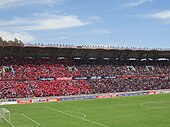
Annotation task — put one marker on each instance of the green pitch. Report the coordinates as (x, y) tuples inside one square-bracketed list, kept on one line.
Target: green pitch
[(139, 111)]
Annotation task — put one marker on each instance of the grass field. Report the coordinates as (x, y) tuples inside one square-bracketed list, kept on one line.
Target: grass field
[(139, 111)]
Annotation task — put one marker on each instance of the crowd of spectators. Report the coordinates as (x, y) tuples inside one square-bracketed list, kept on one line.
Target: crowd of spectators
[(33, 68), (112, 70), (127, 85), (29, 89), (22, 78), (155, 77), (28, 77)]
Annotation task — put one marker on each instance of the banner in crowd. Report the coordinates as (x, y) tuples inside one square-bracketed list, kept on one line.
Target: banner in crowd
[(46, 78), (53, 78), (93, 77), (140, 76), (64, 78)]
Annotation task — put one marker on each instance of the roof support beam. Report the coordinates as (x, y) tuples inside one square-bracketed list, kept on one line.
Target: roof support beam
[(120, 53), (87, 53), (114, 54), (38, 54), (156, 55), (149, 53), (1, 51), (20, 53), (101, 53), (141, 54), (10, 51), (56, 53), (74, 51), (128, 54)]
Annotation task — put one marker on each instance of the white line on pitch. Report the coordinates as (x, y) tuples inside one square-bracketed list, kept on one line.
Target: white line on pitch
[(30, 118), (84, 115), (153, 102), (77, 117)]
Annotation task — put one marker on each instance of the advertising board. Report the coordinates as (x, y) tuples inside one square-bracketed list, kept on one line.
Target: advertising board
[(52, 99), (24, 101)]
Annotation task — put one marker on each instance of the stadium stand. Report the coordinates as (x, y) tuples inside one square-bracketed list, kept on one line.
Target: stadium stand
[(27, 72)]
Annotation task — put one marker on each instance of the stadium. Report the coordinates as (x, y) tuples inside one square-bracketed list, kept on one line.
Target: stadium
[(84, 63), (66, 85)]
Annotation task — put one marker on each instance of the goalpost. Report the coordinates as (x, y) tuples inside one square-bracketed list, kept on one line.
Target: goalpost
[(5, 114)]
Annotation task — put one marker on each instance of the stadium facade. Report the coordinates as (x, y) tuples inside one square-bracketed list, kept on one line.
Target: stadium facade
[(84, 52)]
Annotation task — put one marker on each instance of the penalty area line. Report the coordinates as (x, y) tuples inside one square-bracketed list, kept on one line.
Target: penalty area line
[(90, 121), (30, 119)]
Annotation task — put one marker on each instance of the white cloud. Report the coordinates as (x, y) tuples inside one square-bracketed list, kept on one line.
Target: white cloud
[(160, 15), (163, 16), (20, 27), (48, 22), (136, 3), (58, 22), (9, 3), (95, 18), (25, 37), (14, 3)]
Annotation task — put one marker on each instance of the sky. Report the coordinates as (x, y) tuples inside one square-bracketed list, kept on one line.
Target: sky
[(123, 23)]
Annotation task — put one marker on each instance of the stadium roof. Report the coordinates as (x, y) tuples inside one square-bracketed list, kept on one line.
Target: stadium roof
[(85, 52)]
